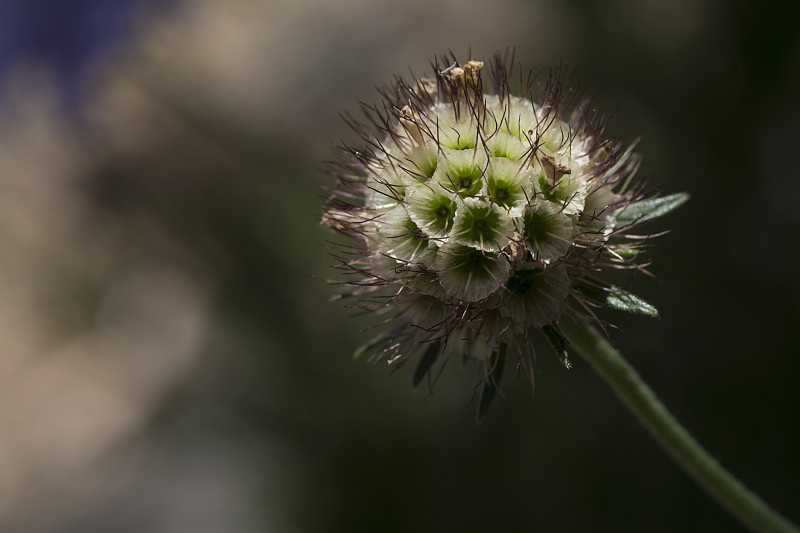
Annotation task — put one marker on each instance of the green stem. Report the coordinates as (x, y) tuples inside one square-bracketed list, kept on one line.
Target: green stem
[(720, 484)]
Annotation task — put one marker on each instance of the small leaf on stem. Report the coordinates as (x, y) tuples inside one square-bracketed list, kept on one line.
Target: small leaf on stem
[(627, 301), (492, 382), (559, 344), (429, 357), (649, 209)]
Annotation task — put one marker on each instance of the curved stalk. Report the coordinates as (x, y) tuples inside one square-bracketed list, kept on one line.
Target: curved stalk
[(628, 385)]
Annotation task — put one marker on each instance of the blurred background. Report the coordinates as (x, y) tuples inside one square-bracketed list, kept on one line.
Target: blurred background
[(168, 358)]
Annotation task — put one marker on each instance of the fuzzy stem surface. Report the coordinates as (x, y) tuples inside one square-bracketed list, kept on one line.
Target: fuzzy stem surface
[(746, 506)]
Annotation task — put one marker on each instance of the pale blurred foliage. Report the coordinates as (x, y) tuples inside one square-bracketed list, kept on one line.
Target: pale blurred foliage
[(69, 396)]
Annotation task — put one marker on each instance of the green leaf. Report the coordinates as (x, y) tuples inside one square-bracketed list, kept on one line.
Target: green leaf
[(649, 209), (432, 353), (492, 382), (371, 344), (559, 344), (626, 301), (615, 297), (624, 253)]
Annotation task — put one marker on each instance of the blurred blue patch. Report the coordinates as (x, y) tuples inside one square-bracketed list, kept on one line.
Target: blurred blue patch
[(66, 37)]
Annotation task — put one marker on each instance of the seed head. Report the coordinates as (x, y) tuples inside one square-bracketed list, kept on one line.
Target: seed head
[(482, 214)]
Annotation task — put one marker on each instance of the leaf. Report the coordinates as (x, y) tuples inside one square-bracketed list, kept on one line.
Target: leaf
[(649, 209), (615, 297), (492, 382), (429, 357), (370, 345), (623, 253), (559, 344), (627, 301)]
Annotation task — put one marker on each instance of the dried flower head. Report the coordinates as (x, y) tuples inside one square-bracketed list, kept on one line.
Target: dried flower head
[(482, 214)]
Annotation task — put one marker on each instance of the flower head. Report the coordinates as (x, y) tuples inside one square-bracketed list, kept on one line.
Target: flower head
[(482, 214)]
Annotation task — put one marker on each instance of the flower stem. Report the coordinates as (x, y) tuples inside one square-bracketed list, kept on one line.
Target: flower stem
[(720, 484)]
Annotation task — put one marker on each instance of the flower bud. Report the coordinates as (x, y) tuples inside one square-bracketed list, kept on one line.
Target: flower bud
[(481, 216)]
